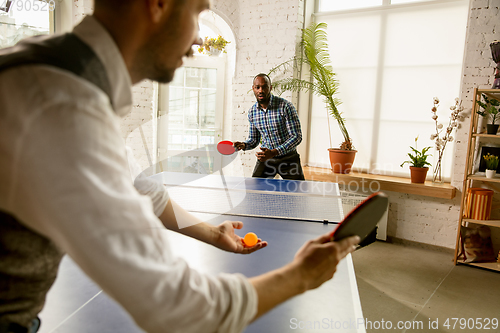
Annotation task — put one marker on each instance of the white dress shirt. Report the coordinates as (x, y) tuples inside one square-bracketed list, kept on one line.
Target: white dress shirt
[(64, 174)]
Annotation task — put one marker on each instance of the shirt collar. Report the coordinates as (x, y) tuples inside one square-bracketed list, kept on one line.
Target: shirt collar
[(258, 107), (97, 37)]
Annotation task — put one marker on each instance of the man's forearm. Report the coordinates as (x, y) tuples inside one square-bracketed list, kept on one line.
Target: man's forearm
[(290, 144), (251, 144), (173, 218), (253, 138), (276, 287)]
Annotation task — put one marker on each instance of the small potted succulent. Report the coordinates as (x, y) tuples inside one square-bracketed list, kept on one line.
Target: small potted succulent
[(419, 164), (490, 107), (213, 46), (491, 165)]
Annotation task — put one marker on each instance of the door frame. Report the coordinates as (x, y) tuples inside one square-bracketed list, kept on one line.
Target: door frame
[(163, 153)]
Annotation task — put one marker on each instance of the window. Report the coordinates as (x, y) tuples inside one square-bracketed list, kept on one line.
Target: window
[(338, 5), (191, 108), (188, 117), (24, 18), (333, 5), (390, 65)]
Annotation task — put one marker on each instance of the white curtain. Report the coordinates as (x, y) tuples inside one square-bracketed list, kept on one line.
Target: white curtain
[(390, 63)]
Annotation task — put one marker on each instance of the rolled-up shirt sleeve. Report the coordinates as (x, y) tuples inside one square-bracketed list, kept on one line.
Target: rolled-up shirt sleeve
[(294, 133), (71, 183), (156, 191), (253, 133)]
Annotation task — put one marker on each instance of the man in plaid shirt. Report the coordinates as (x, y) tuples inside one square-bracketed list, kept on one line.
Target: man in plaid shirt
[(274, 123)]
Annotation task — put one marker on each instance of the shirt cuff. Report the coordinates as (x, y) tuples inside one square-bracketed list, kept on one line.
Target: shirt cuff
[(245, 301), (281, 151)]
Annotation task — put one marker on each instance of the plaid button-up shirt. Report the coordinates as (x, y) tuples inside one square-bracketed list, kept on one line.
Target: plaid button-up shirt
[(278, 126)]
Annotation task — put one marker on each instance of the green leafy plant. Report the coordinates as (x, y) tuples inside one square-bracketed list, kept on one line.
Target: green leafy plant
[(490, 107), (491, 161), (209, 44), (419, 158), (322, 80)]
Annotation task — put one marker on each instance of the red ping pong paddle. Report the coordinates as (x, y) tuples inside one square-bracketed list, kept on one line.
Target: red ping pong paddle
[(363, 218), (226, 147)]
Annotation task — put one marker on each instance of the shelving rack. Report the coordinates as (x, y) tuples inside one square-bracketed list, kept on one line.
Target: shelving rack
[(469, 177)]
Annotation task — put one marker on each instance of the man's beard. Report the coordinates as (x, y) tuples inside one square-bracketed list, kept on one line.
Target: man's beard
[(161, 72)]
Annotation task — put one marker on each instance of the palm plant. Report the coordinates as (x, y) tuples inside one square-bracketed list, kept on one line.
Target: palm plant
[(322, 82)]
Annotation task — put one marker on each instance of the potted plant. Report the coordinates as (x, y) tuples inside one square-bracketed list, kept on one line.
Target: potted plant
[(418, 161), (491, 165), (322, 82), (213, 46), (490, 108)]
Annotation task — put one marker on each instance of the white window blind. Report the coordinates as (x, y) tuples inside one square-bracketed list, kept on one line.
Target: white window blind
[(332, 5), (390, 63)]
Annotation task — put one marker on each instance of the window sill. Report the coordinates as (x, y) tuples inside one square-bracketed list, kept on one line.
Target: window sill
[(370, 183)]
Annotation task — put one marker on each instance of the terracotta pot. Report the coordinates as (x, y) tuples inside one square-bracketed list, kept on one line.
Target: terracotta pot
[(418, 174), (341, 160)]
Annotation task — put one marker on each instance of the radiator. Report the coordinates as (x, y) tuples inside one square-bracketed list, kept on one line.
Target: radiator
[(351, 200)]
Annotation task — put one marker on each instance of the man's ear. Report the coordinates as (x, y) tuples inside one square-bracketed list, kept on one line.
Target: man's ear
[(158, 8)]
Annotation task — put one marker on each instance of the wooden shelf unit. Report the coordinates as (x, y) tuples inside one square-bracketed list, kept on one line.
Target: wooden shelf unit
[(494, 266), (483, 178), (490, 223), (470, 177)]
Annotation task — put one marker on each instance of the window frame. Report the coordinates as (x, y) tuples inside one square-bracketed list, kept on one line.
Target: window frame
[(383, 10), (163, 153)]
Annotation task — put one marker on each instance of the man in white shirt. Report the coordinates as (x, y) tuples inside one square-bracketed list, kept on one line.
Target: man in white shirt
[(66, 186)]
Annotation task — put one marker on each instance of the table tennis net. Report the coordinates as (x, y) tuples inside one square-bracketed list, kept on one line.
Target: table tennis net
[(257, 203)]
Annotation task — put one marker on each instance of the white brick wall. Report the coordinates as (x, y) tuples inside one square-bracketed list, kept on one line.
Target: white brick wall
[(483, 27), (81, 8), (423, 220), (266, 34)]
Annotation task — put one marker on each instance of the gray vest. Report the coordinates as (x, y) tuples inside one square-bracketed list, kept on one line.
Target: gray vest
[(28, 260)]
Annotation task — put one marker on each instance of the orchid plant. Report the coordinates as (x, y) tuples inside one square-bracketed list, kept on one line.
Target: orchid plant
[(442, 135)]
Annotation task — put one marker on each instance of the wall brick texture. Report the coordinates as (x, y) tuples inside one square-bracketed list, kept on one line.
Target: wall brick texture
[(266, 34), (483, 27)]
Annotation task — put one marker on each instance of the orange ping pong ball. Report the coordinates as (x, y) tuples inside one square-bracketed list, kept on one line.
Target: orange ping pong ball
[(250, 239)]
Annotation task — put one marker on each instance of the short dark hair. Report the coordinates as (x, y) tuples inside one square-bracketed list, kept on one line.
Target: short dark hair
[(264, 76)]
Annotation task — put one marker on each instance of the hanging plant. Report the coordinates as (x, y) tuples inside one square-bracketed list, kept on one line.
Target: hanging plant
[(211, 44)]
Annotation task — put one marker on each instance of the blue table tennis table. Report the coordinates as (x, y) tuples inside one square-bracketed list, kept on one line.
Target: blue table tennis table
[(76, 304)]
